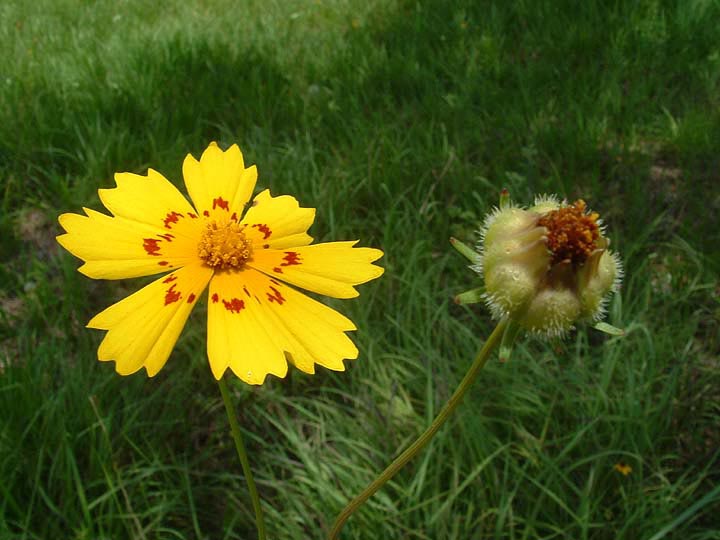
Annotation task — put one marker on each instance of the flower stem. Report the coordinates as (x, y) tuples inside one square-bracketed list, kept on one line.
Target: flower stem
[(472, 373), (237, 437)]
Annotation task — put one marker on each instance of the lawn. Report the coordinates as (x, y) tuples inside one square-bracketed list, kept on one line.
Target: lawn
[(400, 122)]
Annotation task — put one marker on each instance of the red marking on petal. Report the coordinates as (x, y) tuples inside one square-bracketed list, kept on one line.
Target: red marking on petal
[(171, 217), (235, 305), (278, 270), (151, 246), (169, 279), (263, 229), (215, 298), (206, 213), (167, 237), (163, 263), (265, 246), (172, 295), (191, 298), (191, 215), (291, 258), (246, 291), (274, 282), (276, 296), (222, 203), (234, 216)]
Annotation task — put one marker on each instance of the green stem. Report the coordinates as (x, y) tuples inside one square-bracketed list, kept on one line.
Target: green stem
[(237, 437), (480, 361)]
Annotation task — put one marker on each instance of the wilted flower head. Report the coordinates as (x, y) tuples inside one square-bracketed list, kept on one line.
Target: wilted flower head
[(545, 267)]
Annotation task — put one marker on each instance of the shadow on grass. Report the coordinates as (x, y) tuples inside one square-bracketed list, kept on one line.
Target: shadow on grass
[(176, 92)]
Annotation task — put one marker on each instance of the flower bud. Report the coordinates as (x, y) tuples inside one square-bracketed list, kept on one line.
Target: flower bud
[(548, 266)]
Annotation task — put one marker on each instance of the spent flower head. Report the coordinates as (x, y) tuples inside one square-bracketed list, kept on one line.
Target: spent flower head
[(249, 256), (545, 267)]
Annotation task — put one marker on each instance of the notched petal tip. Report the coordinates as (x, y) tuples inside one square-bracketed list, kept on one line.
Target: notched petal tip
[(151, 372), (63, 219), (340, 366), (213, 150), (342, 291), (259, 378), (188, 163), (120, 371), (217, 370), (373, 253), (87, 272)]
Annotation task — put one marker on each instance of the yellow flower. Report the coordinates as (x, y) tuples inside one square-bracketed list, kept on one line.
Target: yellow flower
[(545, 267), (249, 258), (623, 468)]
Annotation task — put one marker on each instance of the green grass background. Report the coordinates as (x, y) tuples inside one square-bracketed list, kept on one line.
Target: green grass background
[(400, 121)]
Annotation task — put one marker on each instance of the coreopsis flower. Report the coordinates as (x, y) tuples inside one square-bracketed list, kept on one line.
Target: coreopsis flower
[(545, 267), (249, 256)]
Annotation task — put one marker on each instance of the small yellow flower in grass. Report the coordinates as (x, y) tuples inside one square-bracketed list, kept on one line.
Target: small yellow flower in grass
[(250, 257), (623, 468), (545, 267)]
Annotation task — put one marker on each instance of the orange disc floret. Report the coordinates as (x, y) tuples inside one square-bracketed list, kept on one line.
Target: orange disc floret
[(224, 246), (572, 232)]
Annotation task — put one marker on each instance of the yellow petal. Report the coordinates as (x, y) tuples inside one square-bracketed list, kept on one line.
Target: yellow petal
[(253, 320), (238, 337), (277, 222), (150, 199), (117, 247), (219, 184), (331, 268), (143, 328), (313, 332)]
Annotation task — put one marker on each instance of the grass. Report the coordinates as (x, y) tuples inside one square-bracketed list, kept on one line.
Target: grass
[(400, 121)]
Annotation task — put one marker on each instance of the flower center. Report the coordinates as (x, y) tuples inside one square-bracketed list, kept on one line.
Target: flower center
[(224, 246), (572, 232)]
